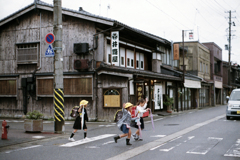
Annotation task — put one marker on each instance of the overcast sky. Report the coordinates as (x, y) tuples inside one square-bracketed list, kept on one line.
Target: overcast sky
[(165, 18)]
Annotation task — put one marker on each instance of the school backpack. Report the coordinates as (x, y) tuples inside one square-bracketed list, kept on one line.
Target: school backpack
[(74, 112), (118, 115)]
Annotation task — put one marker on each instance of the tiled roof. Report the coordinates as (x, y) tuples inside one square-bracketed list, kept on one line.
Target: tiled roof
[(83, 12)]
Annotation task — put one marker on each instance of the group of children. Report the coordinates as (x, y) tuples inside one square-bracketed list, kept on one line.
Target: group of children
[(123, 124)]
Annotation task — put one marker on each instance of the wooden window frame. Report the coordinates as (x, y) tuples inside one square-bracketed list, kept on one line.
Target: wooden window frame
[(65, 77), (11, 95), (28, 44)]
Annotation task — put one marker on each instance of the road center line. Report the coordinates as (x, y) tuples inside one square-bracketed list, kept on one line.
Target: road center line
[(139, 150)]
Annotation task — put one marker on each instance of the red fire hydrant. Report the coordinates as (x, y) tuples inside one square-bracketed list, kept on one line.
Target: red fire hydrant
[(4, 129)]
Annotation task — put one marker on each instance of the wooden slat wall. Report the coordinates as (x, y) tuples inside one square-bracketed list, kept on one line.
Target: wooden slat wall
[(78, 86), (110, 81), (45, 86)]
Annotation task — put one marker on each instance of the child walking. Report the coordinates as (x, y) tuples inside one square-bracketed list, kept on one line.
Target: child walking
[(141, 108), (124, 123), (78, 121)]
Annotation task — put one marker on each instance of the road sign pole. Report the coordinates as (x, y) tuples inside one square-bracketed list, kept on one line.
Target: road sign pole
[(58, 68)]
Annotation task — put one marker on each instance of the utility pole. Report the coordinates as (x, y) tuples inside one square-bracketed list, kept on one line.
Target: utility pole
[(229, 46), (183, 57), (229, 49), (58, 68)]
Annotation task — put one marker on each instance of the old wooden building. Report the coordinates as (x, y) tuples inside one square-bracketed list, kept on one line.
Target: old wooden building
[(104, 61)]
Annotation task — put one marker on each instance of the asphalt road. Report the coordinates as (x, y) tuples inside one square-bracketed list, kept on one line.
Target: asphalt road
[(197, 134)]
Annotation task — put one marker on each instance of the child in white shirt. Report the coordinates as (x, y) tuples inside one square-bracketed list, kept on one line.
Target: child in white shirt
[(141, 108)]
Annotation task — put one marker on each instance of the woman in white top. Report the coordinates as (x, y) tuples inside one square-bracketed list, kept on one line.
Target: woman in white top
[(141, 108)]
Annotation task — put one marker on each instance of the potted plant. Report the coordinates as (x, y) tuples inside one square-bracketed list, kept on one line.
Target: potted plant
[(168, 102), (34, 122)]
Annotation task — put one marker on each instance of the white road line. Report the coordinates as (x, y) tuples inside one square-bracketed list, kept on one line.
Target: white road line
[(83, 141), (108, 143), (189, 138), (167, 150), (157, 119), (234, 151), (175, 139), (205, 147), (159, 136), (139, 150), (20, 149), (157, 147), (154, 120)]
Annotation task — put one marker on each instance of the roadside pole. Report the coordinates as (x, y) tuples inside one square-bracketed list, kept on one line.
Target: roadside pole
[(58, 69)]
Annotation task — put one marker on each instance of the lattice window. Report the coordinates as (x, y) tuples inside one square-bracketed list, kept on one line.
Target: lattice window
[(27, 53)]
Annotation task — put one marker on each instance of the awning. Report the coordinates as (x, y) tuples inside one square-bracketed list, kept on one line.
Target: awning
[(218, 84), (192, 84)]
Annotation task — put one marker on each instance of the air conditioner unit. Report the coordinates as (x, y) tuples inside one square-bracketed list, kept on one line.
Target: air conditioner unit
[(81, 48), (81, 64)]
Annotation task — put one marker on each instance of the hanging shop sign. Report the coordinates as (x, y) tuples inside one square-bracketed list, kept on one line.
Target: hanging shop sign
[(158, 96), (176, 51)]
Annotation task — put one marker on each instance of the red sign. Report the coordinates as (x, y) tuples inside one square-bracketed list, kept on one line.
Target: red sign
[(50, 38)]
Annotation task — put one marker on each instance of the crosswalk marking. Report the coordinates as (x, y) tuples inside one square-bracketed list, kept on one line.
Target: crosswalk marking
[(234, 151), (159, 136), (83, 141), (206, 147), (167, 150), (20, 149)]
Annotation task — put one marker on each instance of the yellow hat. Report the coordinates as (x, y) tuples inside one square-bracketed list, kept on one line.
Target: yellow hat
[(128, 104), (83, 102)]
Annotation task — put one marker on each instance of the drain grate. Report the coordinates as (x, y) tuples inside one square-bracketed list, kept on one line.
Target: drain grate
[(171, 124)]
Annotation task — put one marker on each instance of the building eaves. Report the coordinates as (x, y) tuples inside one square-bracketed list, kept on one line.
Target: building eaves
[(187, 75), (138, 72)]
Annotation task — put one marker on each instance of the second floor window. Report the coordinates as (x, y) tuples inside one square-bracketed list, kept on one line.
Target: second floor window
[(27, 53), (122, 60), (200, 66), (128, 62)]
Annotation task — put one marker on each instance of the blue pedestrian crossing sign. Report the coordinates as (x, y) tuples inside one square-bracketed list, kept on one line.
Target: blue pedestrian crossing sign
[(49, 52)]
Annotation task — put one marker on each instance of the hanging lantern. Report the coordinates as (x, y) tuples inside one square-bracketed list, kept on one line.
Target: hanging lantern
[(190, 35)]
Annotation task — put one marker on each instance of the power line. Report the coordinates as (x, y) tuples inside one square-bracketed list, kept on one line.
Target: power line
[(220, 5), (227, 4), (180, 11), (167, 15), (216, 9)]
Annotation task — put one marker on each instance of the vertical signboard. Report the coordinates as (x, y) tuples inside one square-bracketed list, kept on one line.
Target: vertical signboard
[(158, 96), (139, 92), (115, 47), (176, 51), (190, 35)]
